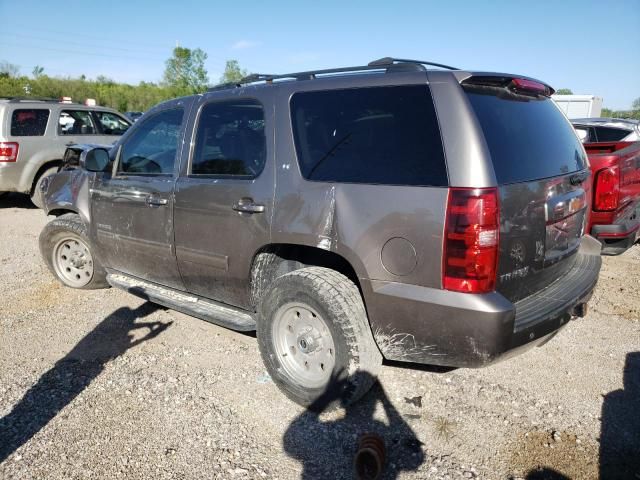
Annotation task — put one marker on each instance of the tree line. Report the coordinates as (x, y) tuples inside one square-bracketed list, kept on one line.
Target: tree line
[(184, 74)]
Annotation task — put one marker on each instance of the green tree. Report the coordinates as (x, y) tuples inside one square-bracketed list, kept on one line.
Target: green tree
[(37, 71), (232, 72), (636, 104), (606, 113), (185, 71), (564, 91), (9, 69)]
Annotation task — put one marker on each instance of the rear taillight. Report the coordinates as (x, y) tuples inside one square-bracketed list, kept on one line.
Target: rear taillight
[(471, 240), (8, 151), (607, 189)]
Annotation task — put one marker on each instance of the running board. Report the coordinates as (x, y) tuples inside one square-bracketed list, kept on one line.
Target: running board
[(223, 315)]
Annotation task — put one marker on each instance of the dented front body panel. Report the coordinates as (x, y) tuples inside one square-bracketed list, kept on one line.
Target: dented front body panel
[(68, 191)]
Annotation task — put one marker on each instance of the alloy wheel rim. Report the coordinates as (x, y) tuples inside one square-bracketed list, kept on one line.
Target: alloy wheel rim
[(73, 262)]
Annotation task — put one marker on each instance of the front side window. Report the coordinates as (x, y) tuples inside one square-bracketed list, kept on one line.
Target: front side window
[(375, 135), (152, 148), (29, 122), (112, 124), (230, 139), (76, 122)]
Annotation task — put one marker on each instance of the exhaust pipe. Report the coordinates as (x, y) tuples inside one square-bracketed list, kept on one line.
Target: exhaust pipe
[(370, 457), (580, 310)]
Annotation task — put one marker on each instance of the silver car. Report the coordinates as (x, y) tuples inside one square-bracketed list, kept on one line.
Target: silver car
[(34, 134)]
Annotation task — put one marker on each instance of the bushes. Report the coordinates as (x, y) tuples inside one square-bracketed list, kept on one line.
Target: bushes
[(106, 92)]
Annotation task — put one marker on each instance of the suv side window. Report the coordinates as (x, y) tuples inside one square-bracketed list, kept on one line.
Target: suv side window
[(76, 122), (608, 134), (152, 148), (29, 122), (375, 135), (230, 139), (111, 124)]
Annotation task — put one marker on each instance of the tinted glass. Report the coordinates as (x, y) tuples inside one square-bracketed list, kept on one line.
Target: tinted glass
[(152, 148), (112, 124), (230, 139), (29, 122), (76, 122), (379, 135), (528, 137), (608, 134)]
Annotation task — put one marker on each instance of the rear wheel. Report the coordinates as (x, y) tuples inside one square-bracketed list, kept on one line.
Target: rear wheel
[(36, 194), (67, 251), (315, 339)]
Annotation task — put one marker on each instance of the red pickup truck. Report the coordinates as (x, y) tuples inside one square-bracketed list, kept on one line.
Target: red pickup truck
[(615, 209)]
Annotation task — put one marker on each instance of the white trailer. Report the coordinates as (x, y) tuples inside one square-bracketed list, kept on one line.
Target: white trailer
[(579, 106)]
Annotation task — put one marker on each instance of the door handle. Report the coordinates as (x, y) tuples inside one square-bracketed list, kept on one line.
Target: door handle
[(155, 201), (246, 205)]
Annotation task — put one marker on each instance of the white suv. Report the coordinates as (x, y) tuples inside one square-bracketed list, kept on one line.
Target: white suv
[(34, 134)]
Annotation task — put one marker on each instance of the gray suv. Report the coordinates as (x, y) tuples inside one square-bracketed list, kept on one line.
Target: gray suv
[(430, 216), (34, 134)]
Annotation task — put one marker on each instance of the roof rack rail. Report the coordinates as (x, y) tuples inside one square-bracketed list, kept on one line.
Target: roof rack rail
[(388, 64), (381, 62), (29, 99)]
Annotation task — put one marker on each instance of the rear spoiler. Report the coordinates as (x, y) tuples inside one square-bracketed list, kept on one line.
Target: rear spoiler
[(519, 84)]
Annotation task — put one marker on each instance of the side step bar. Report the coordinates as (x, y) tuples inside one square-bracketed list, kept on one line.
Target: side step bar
[(223, 315)]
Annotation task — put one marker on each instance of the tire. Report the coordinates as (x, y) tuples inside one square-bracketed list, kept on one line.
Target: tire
[(36, 194), (68, 253), (315, 340)]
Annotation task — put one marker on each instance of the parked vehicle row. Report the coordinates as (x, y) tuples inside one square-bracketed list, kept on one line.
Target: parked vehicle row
[(342, 218), (35, 133)]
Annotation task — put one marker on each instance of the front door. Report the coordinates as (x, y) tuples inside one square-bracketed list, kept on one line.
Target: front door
[(132, 209), (224, 198)]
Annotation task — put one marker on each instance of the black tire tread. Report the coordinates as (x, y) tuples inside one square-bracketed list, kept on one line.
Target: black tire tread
[(343, 300)]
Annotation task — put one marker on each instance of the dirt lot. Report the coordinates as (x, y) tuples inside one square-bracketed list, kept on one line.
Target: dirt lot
[(103, 385)]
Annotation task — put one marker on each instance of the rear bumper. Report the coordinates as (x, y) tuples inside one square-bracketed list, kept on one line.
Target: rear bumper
[(432, 326), (616, 239), (622, 231)]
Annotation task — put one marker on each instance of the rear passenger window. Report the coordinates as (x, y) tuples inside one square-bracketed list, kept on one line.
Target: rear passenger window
[(376, 135), (607, 134), (76, 122), (230, 139), (30, 122)]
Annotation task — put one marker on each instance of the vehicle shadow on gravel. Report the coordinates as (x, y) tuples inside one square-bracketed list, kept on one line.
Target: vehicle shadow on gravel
[(57, 388), (620, 426), (327, 449), (16, 200)]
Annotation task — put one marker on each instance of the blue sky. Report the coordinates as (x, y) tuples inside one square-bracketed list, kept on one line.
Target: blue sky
[(589, 46)]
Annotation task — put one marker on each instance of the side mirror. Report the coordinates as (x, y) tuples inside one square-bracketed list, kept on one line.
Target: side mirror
[(96, 160)]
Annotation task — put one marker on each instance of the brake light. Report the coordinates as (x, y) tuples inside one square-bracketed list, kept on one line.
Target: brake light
[(471, 240), (8, 151), (607, 189), (525, 85)]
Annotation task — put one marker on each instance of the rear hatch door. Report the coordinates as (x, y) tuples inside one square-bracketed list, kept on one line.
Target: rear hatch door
[(543, 177)]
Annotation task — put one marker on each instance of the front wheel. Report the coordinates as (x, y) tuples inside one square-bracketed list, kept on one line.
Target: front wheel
[(66, 249), (314, 335), (36, 195)]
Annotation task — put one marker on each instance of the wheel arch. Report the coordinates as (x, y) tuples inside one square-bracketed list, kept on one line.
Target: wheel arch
[(276, 259)]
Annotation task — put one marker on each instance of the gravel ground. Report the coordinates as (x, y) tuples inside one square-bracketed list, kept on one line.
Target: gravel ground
[(100, 384)]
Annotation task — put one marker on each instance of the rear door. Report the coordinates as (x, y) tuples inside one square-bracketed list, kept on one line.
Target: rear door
[(132, 209), (544, 185), (224, 199)]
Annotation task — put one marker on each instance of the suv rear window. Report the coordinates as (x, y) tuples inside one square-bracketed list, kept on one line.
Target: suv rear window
[(376, 135), (30, 122), (528, 137)]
